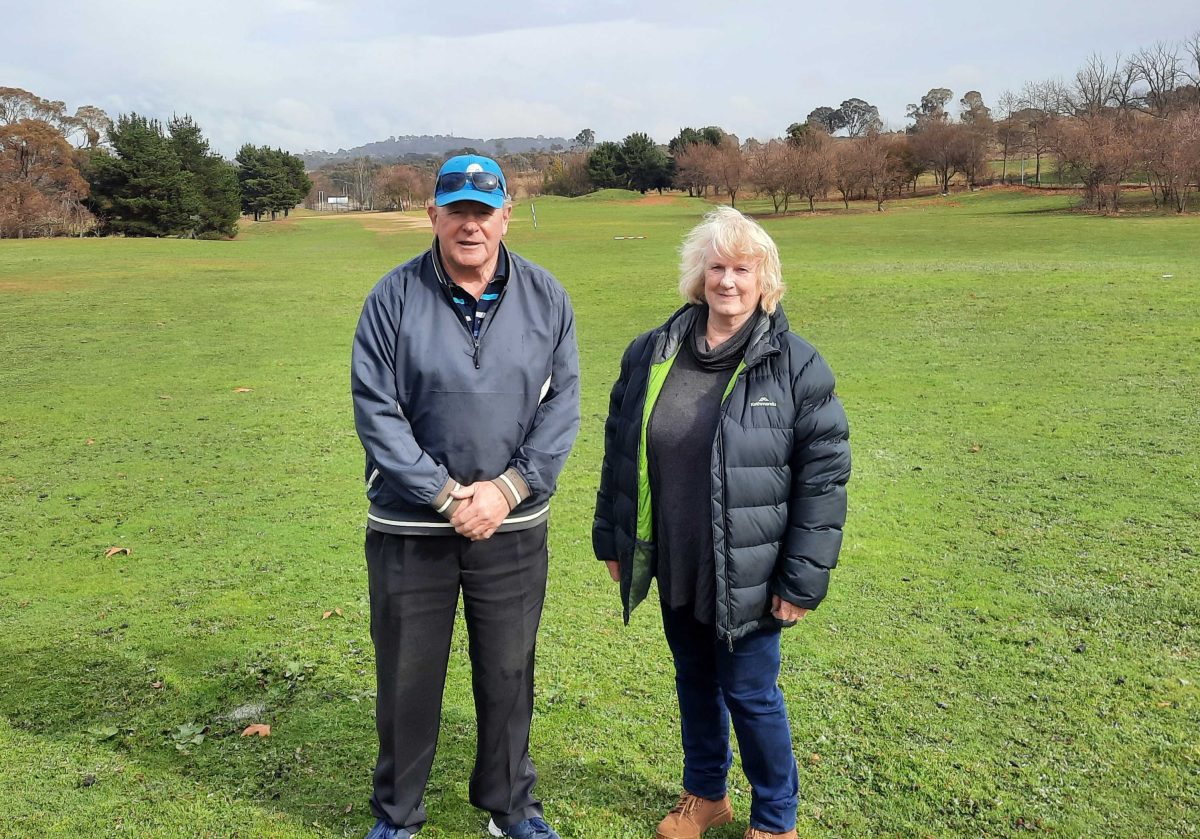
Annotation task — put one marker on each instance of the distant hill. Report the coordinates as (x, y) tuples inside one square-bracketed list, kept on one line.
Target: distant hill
[(398, 148)]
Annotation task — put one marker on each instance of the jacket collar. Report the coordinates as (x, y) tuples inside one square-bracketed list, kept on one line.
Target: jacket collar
[(763, 342), (503, 265)]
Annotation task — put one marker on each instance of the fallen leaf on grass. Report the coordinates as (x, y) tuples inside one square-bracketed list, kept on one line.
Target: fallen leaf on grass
[(156, 685), (164, 396), (114, 550), (242, 390), (90, 441), (259, 729), (349, 807), (330, 613), (975, 448)]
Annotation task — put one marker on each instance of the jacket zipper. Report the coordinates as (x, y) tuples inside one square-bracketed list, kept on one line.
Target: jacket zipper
[(725, 491), (475, 340), (725, 511)]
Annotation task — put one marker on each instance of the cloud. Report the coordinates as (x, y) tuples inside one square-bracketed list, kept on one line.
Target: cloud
[(307, 74)]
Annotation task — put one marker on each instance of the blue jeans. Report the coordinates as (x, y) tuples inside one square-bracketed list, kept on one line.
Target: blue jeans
[(715, 684)]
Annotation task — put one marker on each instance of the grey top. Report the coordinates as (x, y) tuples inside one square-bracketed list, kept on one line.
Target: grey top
[(680, 438), (434, 403)]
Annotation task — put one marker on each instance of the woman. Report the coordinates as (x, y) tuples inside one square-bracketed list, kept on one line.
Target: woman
[(726, 457)]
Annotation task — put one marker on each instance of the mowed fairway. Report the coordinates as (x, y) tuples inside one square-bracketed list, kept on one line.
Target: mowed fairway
[(1010, 643)]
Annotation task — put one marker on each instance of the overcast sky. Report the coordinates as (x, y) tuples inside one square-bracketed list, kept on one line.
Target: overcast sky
[(324, 74)]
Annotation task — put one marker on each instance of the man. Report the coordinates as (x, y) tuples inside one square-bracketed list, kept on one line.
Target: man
[(465, 378)]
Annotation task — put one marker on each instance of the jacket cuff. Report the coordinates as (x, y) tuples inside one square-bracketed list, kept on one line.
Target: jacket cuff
[(443, 504), (513, 487)]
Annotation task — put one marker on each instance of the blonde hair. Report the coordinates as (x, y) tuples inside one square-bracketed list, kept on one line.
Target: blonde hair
[(731, 235)]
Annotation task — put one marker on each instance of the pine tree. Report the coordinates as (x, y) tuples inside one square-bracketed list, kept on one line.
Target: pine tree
[(140, 188), (214, 179), (272, 180)]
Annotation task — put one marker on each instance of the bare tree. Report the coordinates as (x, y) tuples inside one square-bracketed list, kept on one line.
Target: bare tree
[(1170, 150), (728, 167), (768, 169), (972, 148), (1192, 47), (908, 166), (1098, 151), (694, 168), (809, 168), (877, 167), (403, 187), (846, 173), (1162, 70), (1094, 84), (1041, 102), (1127, 94), (1010, 137), (937, 146)]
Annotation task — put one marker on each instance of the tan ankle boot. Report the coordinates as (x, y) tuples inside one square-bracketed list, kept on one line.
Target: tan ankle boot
[(755, 833), (693, 815)]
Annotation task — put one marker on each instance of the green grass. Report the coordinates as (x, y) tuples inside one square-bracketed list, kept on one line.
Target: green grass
[(1009, 646)]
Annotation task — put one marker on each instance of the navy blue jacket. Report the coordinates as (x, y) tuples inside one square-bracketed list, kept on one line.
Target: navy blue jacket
[(778, 469)]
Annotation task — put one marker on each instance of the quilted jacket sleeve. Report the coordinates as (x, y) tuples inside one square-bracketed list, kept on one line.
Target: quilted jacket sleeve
[(603, 525), (820, 464)]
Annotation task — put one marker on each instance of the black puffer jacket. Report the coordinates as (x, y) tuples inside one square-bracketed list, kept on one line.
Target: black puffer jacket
[(780, 463)]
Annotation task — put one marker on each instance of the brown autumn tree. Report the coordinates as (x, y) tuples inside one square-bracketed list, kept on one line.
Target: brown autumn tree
[(845, 174), (809, 167), (728, 167), (1098, 152), (768, 168), (879, 169), (17, 104), (972, 150), (403, 187), (694, 168), (1171, 155), (938, 146), (40, 187)]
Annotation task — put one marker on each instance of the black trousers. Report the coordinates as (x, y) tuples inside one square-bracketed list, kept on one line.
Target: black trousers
[(415, 583)]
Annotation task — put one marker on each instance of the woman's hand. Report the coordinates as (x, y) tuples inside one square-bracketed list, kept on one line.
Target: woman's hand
[(785, 611), (614, 569)]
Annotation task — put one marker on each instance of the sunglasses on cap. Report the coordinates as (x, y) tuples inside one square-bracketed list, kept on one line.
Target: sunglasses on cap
[(454, 181)]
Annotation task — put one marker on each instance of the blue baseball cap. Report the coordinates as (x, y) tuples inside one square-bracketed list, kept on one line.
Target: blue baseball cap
[(470, 177)]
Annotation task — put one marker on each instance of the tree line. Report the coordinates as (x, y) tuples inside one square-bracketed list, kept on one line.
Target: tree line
[(83, 173), (1117, 121)]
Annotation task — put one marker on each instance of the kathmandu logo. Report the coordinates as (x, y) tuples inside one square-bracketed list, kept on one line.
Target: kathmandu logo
[(763, 402)]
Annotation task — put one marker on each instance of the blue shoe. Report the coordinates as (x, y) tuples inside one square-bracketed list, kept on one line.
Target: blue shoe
[(387, 830), (533, 828)]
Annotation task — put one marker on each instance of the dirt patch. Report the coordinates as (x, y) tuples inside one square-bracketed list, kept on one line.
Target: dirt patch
[(33, 286), (392, 222), (387, 222), (657, 200)]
